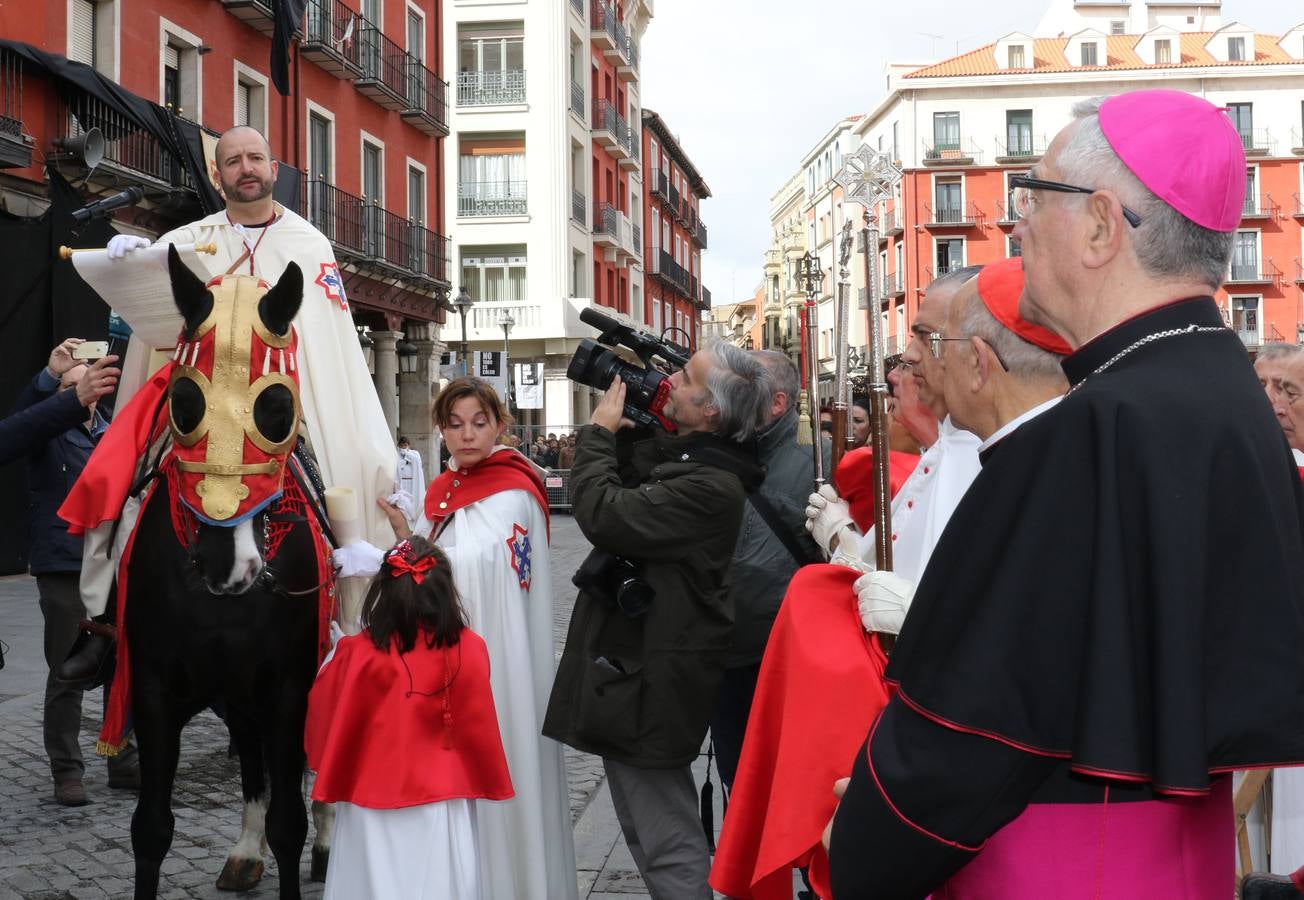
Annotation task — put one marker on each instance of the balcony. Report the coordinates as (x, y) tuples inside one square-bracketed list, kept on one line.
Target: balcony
[(1251, 272), (324, 25), (893, 285), (773, 259), (633, 150), (577, 99), (131, 155), (491, 88), (613, 231), (1026, 150), (627, 70), (936, 272), (1299, 207), (1297, 141), (611, 130), (366, 232), (491, 198), (578, 204), (603, 26), (1258, 142), (699, 231), (887, 225), (427, 99), (384, 68), (257, 14), (952, 216), (945, 154), (663, 265), (577, 6), (1260, 207), (15, 151), (1299, 271), (706, 298), (1006, 215)]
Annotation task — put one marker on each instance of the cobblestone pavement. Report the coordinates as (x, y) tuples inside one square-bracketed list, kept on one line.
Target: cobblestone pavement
[(51, 852)]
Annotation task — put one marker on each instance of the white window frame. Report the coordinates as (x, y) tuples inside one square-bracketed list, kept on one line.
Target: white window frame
[(255, 80), (949, 178), (1232, 297), (411, 7), (315, 108), (1258, 185), (108, 36), (1082, 51), (1244, 45), (365, 138), (425, 180), (171, 33), (964, 252)]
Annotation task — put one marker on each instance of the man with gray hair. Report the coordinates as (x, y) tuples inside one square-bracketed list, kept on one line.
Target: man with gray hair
[(1280, 368), (1113, 616), (648, 640)]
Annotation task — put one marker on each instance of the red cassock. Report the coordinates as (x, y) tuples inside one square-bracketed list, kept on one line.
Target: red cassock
[(820, 688), (386, 731)]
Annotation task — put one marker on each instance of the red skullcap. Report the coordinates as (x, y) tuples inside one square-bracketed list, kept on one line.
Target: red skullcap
[(999, 286)]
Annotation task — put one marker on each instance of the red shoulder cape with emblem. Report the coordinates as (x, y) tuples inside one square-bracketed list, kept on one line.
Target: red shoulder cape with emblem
[(854, 480), (504, 470), (376, 740)]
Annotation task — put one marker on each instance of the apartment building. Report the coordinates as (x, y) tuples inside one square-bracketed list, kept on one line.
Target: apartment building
[(545, 156)]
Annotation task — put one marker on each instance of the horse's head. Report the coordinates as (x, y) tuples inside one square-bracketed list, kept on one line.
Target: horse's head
[(233, 408)]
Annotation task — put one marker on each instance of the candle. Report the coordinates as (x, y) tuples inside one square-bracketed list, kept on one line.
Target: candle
[(342, 510)]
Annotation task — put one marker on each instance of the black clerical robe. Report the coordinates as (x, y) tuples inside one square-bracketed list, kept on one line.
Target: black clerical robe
[(1112, 620)]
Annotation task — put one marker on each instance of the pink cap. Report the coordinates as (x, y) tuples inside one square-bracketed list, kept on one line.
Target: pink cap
[(1184, 149)]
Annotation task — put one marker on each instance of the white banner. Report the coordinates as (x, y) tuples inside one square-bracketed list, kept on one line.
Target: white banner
[(529, 385), (488, 365)]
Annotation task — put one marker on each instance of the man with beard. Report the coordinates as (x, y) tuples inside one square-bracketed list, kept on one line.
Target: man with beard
[(341, 412)]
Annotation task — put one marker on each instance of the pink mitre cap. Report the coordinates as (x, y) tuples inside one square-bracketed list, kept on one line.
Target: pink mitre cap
[(1184, 149)]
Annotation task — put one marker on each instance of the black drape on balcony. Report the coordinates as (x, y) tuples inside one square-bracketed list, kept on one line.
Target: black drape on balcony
[(177, 136)]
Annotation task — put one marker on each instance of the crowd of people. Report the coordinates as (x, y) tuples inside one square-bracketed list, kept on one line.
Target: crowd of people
[(1093, 615)]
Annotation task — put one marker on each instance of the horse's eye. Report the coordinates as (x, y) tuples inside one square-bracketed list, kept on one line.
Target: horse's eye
[(186, 403), (274, 413)]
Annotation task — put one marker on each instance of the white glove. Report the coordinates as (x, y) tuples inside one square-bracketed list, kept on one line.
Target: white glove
[(829, 517), (336, 633), (883, 599), (405, 504), (359, 558), (122, 244)]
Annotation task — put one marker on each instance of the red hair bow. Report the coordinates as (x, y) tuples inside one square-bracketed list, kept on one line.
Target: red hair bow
[(402, 561)]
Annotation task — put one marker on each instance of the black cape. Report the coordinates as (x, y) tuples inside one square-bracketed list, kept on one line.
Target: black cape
[(1122, 588)]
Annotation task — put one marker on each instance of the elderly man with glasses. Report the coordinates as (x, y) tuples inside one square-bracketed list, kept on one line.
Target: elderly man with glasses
[(1112, 621)]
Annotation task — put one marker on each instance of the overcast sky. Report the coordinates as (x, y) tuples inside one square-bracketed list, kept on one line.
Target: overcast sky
[(749, 86)]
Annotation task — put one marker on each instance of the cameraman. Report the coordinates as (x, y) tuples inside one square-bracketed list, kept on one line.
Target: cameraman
[(638, 679)]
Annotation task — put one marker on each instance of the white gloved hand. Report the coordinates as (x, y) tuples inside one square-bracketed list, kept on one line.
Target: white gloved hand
[(883, 599), (336, 633), (405, 503), (358, 559), (122, 244), (828, 517)]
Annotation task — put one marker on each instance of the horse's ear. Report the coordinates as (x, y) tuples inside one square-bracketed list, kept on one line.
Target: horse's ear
[(188, 292), (280, 304)]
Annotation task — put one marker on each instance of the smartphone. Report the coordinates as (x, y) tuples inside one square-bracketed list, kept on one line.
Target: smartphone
[(91, 350)]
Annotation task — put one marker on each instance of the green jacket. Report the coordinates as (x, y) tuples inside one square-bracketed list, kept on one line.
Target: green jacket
[(641, 690)]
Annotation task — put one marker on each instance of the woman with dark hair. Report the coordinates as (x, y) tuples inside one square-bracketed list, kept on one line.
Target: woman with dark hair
[(403, 735), (488, 511)]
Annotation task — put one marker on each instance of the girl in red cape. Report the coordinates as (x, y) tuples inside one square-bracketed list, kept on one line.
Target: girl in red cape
[(403, 735)]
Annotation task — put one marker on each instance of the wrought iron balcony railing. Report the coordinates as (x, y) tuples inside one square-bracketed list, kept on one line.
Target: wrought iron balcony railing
[(606, 222), (953, 215), (663, 264), (706, 298), (611, 129), (427, 99), (1259, 207), (325, 24), (952, 153), (578, 204), (1253, 272), (368, 231), (578, 6), (1006, 214), (1258, 142), (15, 152), (1299, 271), (491, 88), (1024, 146), (384, 68), (128, 150), (577, 99), (893, 285), (660, 186), (936, 272), (491, 198), (1299, 206)]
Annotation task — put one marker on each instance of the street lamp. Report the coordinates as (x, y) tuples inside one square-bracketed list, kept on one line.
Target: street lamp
[(407, 356), (506, 321), (462, 303)]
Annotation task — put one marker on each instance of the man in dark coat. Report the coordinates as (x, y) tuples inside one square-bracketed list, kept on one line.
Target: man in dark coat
[(638, 679), (56, 425)]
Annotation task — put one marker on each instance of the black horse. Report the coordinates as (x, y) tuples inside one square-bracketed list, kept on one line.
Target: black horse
[(210, 620)]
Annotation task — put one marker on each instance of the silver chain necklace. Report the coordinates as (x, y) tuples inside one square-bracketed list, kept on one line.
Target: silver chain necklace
[(1136, 345)]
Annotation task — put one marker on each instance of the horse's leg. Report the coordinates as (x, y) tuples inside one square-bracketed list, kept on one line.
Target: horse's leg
[(158, 741), (323, 826), (244, 864), (287, 820)]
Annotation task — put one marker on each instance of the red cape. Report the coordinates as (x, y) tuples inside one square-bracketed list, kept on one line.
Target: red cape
[(101, 489), (504, 470), (854, 480), (375, 743), (820, 688)]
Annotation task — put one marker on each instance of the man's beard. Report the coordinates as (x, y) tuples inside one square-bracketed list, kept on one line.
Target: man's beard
[(233, 191)]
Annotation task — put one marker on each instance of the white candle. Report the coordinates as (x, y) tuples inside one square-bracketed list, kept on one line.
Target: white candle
[(342, 510)]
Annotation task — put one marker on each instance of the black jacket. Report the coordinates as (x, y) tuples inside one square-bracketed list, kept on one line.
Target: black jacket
[(641, 690)]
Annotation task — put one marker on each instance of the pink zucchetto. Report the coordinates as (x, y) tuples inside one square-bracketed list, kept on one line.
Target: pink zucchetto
[(1184, 149)]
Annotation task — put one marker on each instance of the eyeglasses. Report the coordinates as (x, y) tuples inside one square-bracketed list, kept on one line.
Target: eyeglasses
[(1023, 197), (936, 338)]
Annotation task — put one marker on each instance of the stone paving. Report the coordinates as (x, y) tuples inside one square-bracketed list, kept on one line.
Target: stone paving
[(51, 852)]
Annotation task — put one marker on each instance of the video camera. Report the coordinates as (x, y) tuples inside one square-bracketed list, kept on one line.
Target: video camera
[(647, 389)]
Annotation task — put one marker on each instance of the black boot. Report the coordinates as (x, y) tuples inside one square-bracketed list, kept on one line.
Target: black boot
[(90, 662), (1260, 886)]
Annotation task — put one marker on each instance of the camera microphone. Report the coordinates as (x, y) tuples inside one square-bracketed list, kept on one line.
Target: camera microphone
[(101, 208)]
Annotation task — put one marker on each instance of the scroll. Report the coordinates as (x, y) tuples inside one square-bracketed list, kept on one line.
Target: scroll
[(138, 288)]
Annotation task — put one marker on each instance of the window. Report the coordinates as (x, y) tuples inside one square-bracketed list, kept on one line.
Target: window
[(665, 236), (491, 65), (416, 35), (1016, 58), (1245, 318), (656, 317), (896, 153), (1010, 214), (1012, 247), (1018, 132), (495, 274), (250, 97), (82, 33), (416, 191), (577, 274), (946, 132), (491, 178), (1236, 49), (1245, 257), (949, 256), (321, 173), (947, 203), (1117, 26), (172, 78), (1251, 192), (1089, 53), (1163, 51), (655, 233), (180, 76), (653, 155), (1242, 116), (373, 169)]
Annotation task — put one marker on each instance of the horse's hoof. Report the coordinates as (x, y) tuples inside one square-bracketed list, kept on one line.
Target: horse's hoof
[(320, 859), (240, 875)]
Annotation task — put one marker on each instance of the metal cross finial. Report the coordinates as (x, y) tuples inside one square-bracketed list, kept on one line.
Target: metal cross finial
[(867, 176)]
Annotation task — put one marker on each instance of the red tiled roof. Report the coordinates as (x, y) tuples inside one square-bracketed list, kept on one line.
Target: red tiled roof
[(1048, 56)]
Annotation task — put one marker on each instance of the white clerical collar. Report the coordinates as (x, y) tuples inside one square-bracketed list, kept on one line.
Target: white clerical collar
[(1299, 456), (1008, 428)]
